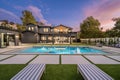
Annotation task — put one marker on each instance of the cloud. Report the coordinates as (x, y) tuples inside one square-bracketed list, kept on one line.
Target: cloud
[(104, 11), (7, 15), (38, 14)]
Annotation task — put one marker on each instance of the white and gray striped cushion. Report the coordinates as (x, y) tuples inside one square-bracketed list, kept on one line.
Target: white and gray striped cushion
[(30, 72), (92, 72)]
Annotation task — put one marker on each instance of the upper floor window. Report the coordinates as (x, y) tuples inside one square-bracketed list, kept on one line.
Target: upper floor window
[(45, 29), (29, 28), (32, 29), (66, 30)]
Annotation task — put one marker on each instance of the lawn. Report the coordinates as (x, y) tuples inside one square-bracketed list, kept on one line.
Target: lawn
[(112, 70), (61, 72), (58, 72), (9, 70)]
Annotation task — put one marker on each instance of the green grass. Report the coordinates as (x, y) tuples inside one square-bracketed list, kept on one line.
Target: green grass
[(9, 70), (58, 72), (112, 70), (61, 72)]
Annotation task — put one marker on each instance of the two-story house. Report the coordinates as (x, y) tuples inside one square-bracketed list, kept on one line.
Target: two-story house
[(48, 34)]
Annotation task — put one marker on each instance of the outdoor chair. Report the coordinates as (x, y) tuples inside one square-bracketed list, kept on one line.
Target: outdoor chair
[(92, 72), (30, 72)]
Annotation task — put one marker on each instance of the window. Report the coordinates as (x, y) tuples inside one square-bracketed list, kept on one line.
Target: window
[(51, 30), (29, 28), (49, 38), (32, 28), (43, 38), (66, 30), (45, 29), (70, 30), (56, 30)]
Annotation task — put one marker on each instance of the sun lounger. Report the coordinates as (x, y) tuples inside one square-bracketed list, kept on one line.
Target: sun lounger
[(92, 72), (30, 72)]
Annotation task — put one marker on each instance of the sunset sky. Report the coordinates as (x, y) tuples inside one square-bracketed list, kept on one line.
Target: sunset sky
[(67, 12)]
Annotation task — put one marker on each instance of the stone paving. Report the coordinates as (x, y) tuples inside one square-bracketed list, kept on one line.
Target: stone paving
[(100, 59), (46, 59), (73, 59), (4, 56), (115, 57), (18, 59), (5, 50)]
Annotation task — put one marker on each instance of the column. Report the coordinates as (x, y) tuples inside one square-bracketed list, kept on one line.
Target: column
[(16, 39)]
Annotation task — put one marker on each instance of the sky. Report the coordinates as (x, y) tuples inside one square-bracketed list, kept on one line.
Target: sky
[(67, 12)]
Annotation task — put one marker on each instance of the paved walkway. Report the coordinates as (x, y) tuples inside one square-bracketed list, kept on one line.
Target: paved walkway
[(4, 56), (108, 49), (18, 59), (99, 59), (2, 50), (115, 57), (46, 59), (73, 59)]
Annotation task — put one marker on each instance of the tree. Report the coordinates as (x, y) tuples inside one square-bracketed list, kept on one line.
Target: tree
[(117, 23), (27, 17), (90, 28), (20, 27), (115, 31), (40, 23)]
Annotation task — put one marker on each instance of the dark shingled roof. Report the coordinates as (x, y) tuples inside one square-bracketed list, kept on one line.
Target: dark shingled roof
[(44, 26)]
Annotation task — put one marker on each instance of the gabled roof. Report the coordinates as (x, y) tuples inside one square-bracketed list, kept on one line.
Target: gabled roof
[(63, 26)]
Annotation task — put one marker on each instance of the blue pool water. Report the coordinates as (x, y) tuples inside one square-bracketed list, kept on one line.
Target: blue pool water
[(61, 50)]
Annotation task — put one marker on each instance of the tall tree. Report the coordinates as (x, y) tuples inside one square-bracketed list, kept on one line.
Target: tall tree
[(115, 31), (117, 23), (90, 28), (27, 17), (21, 27)]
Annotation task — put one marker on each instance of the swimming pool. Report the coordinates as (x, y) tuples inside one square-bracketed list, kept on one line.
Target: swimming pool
[(61, 50)]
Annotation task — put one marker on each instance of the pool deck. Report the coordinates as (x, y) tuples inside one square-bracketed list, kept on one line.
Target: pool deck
[(73, 59), (100, 59), (18, 59), (115, 57), (7, 56), (46, 59), (4, 57)]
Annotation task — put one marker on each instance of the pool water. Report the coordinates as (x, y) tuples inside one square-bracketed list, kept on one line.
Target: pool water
[(61, 50)]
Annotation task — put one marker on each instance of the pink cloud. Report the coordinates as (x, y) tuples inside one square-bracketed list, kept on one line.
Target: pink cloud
[(104, 11), (38, 14)]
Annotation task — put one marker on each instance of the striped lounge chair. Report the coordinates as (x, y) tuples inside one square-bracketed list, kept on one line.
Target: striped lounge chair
[(30, 72), (92, 72)]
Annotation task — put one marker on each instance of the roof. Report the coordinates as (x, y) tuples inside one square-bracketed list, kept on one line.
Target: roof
[(44, 26), (63, 26), (30, 24), (28, 31)]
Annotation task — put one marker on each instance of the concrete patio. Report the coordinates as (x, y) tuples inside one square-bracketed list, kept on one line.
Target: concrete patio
[(100, 59), (46, 59), (73, 59), (18, 59), (4, 56), (115, 57)]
